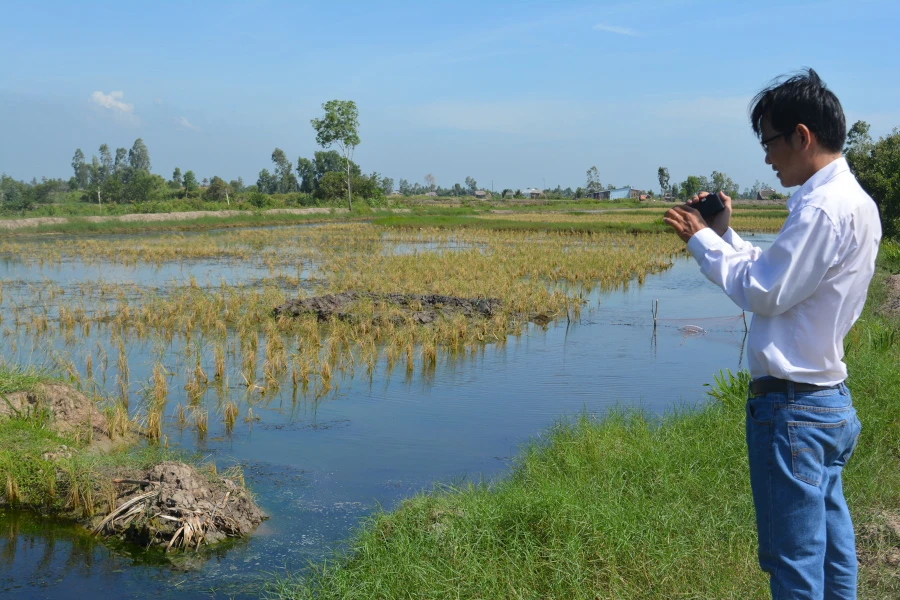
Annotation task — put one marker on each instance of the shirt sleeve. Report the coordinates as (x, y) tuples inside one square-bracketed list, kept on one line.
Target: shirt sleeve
[(771, 282)]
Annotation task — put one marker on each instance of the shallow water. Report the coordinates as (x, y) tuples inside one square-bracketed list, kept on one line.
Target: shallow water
[(319, 466)]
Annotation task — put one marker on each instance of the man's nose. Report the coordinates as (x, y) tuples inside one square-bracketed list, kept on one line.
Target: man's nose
[(768, 161)]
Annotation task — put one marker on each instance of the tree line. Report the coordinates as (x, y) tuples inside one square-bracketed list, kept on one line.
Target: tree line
[(124, 176), (716, 182)]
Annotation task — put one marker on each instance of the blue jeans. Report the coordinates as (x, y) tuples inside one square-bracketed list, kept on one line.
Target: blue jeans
[(798, 443)]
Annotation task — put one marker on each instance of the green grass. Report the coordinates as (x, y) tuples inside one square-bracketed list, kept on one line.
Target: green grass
[(625, 506), (18, 379), (448, 222), (78, 485)]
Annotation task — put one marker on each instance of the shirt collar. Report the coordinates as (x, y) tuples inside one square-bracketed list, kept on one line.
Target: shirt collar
[(820, 178)]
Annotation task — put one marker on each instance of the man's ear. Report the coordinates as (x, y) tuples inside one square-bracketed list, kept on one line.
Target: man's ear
[(805, 137)]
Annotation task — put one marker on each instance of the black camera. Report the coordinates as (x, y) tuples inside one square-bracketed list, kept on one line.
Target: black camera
[(709, 206)]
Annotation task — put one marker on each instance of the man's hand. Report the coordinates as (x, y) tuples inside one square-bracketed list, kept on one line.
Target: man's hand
[(719, 223), (686, 221)]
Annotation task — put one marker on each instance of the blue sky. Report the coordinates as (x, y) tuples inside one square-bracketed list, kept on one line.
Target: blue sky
[(519, 93)]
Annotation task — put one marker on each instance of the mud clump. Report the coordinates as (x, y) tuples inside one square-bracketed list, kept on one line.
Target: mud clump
[(421, 309), (70, 412), (175, 506), (891, 306)]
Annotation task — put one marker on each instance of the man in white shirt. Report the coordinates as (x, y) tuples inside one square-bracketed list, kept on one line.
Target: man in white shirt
[(805, 292)]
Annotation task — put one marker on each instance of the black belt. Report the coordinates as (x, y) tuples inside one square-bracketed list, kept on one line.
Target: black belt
[(761, 387)]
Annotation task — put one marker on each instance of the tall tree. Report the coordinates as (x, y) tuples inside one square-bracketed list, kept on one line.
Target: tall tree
[(139, 156), (387, 186), (692, 185), (176, 177), (340, 126), (404, 187), (190, 181), (593, 184), (307, 172), (720, 182), (121, 160), (106, 161), (266, 183), (663, 175), (430, 182), (97, 176), (217, 190), (81, 169), (471, 185), (284, 176)]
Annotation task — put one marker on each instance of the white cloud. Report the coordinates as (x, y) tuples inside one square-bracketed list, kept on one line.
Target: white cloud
[(112, 101), (183, 122), (615, 29)]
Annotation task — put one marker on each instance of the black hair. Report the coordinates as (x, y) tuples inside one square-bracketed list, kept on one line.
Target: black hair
[(801, 98)]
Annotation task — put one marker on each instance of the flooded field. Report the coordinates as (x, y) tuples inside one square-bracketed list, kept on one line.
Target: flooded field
[(330, 420)]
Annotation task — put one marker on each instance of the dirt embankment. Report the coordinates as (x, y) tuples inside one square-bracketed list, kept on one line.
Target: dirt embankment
[(70, 412), (155, 217), (171, 504)]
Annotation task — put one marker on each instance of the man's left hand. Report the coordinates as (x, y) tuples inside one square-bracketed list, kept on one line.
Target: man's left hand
[(686, 221)]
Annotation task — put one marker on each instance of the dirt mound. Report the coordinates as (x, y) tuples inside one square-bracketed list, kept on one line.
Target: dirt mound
[(174, 505), (421, 309), (71, 412), (878, 541), (891, 306)]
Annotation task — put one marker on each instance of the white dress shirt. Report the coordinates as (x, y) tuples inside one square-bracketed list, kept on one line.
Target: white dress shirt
[(809, 287)]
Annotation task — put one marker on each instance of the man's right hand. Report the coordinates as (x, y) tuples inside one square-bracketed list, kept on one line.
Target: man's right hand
[(719, 222)]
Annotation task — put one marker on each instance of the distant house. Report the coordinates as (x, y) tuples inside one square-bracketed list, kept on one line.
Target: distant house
[(482, 195), (534, 193), (619, 194), (765, 194), (431, 194)]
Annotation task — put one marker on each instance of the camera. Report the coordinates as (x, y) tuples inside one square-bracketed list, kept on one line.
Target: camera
[(709, 206)]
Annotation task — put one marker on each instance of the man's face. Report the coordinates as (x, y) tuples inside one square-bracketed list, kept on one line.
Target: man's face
[(781, 154)]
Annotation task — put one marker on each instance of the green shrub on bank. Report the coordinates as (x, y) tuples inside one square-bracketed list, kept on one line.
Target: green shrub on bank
[(77, 481)]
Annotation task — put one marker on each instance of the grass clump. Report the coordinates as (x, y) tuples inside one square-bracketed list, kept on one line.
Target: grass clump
[(43, 469), (22, 379)]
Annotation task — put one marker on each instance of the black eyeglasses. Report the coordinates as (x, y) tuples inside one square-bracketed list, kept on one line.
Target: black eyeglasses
[(765, 143)]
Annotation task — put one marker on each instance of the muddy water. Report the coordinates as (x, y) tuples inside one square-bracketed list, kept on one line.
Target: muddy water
[(320, 466)]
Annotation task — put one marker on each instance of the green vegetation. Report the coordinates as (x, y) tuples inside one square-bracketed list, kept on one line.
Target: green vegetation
[(625, 506), (340, 126), (21, 379), (877, 167), (449, 222), (641, 220), (77, 480)]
